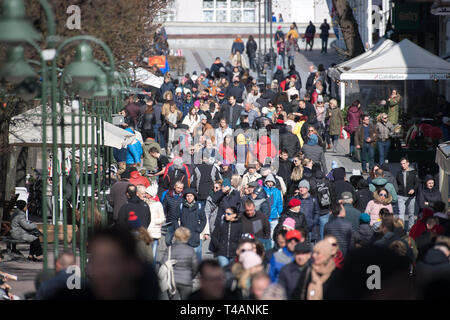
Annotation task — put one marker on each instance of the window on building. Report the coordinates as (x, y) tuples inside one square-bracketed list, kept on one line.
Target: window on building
[(229, 11)]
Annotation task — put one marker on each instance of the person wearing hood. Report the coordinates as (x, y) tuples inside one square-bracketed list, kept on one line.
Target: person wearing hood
[(381, 199), (279, 75), (191, 215), (285, 166), (313, 151), (340, 185), (364, 232), (136, 205), (408, 184), (310, 208), (428, 193), (292, 212), (354, 114), (275, 200), (226, 198), (363, 195), (380, 182), (262, 121), (226, 235)]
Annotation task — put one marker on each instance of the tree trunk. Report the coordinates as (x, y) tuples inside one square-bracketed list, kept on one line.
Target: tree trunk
[(349, 28)]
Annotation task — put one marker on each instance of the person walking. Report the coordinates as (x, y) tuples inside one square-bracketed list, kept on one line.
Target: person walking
[(310, 33), (385, 130), (408, 184), (324, 34), (275, 201), (365, 140), (290, 50), (281, 50), (157, 217), (171, 201), (340, 228), (381, 199), (336, 120), (428, 193), (310, 208), (354, 114), (136, 205), (251, 48)]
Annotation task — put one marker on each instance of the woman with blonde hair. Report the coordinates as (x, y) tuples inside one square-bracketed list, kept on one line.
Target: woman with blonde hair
[(236, 182), (192, 119), (168, 97), (296, 177), (186, 267)]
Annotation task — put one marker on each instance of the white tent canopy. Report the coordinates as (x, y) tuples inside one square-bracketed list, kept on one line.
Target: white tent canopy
[(26, 130), (146, 77)]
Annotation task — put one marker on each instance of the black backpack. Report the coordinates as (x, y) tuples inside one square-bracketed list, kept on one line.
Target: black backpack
[(323, 194)]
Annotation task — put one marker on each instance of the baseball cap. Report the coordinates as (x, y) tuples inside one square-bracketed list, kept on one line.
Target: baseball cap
[(293, 234), (346, 195)]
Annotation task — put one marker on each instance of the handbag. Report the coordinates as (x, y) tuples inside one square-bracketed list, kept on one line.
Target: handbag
[(166, 276)]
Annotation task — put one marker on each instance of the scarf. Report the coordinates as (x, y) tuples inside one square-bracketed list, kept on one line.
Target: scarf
[(155, 198), (189, 205)]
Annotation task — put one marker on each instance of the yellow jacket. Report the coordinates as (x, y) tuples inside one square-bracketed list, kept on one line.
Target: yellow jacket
[(293, 33), (297, 131)]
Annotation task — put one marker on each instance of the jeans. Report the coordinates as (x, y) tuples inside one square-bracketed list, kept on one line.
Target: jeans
[(252, 62), (335, 138), (267, 243), (223, 261), (198, 250), (352, 143), (169, 235), (273, 224), (290, 60), (155, 249), (383, 149), (406, 208), (367, 151), (323, 221), (324, 44), (158, 136), (280, 59)]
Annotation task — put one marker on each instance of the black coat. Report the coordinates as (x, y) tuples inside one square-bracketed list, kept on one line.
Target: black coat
[(225, 237), (224, 201), (364, 234), (309, 82), (289, 277), (428, 195), (363, 197), (290, 142), (251, 48), (338, 186), (139, 207), (258, 225), (204, 177), (343, 231), (300, 221), (285, 170), (412, 182), (194, 219), (171, 205), (237, 109), (235, 91), (434, 267)]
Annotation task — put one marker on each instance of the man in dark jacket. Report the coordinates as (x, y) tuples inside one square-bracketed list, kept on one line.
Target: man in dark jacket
[(340, 228), (215, 67), (408, 183), (289, 141), (290, 273), (171, 203), (310, 208), (294, 212), (226, 198), (204, 176), (259, 198), (192, 216), (428, 193), (134, 110), (139, 207), (117, 197), (255, 223), (310, 80), (251, 52), (365, 140), (339, 185), (306, 109), (232, 111), (285, 166), (236, 89), (226, 235), (351, 213)]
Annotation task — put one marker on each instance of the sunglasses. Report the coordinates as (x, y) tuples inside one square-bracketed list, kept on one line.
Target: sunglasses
[(334, 244), (383, 195)]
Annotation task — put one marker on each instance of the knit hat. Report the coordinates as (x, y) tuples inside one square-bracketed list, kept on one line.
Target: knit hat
[(249, 259), (312, 140), (221, 94), (133, 220), (304, 183), (264, 110), (178, 90), (253, 184), (364, 217), (197, 103), (293, 234), (152, 190), (294, 203), (178, 163), (289, 223), (334, 164), (226, 182), (279, 27), (303, 247), (202, 116)]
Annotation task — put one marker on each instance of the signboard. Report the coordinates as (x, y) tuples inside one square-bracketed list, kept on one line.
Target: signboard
[(407, 16), (160, 61)]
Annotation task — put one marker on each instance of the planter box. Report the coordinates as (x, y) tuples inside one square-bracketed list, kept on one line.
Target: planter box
[(51, 232)]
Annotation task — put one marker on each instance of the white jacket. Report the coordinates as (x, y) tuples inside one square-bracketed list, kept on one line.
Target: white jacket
[(191, 122), (158, 218)]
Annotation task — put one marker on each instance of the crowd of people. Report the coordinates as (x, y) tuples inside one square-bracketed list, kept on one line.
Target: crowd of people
[(224, 168)]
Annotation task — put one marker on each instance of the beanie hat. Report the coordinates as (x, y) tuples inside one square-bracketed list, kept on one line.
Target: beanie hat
[(226, 182), (290, 223), (294, 203), (304, 183), (152, 190), (197, 103), (221, 94), (334, 164), (178, 163), (249, 259), (303, 247), (202, 116), (364, 217), (133, 220), (293, 234), (312, 140), (264, 110), (178, 90)]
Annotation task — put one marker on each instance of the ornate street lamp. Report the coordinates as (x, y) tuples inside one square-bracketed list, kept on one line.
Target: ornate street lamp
[(14, 25), (16, 69)]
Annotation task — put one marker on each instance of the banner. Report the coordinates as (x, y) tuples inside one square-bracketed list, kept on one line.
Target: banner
[(160, 61)]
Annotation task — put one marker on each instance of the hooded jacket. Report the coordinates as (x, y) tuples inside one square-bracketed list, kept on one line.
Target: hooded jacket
[(265, 148), (412, 182), (192, 217), (225, 237), (275, 198), (279, 260), (428, 195), (238, 45), (339, 185), (382, 182), (374, 206), (310, 208), (134, 151), (353, 119), (141, 209)]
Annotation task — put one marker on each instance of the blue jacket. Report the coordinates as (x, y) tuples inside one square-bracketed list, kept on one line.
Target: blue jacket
[(134, 151), (310, 208), (237, 46), (120, 154), (275, 201), (279, 260)]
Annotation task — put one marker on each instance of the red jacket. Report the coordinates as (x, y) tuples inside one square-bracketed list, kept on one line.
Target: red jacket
[(136, 178), (421, 225), (353, 119)]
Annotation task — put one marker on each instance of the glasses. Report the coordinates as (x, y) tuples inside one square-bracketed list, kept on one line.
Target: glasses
[(383, 195)]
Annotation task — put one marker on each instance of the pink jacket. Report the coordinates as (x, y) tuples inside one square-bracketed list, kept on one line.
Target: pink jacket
[(374, 206)]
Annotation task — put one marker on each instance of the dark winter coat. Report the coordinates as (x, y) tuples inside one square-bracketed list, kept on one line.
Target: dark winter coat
[(251, 48), (194, 219), (364, 234), (310, 208), (139, 207), (412, 182), (289, 277), (428, 195), (237, 109), (352, 215), (225, 237), (117, 197), (359, 135), (224, 201), (343, 231), (290, 142), (237, 46), (363, 196), (204, 177), (434, 267), (171, 205), (339, 185), (258, 225), (285, 170), (310, 82), (235, 91), (299, 218)]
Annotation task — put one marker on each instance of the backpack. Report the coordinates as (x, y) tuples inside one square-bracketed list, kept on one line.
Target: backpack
[(166, 276), (323, 194)]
